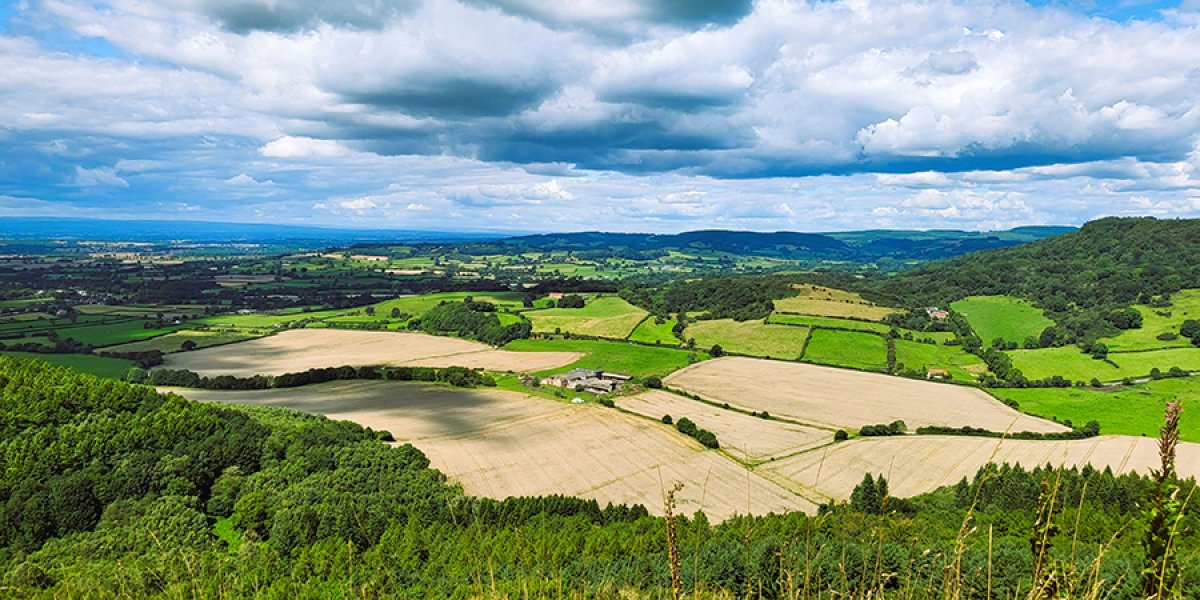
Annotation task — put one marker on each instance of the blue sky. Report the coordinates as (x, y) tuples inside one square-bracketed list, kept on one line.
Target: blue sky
[(619, 115)]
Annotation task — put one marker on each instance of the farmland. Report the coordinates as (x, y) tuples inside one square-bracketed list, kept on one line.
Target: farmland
[(754, 338), (498, 443), (852, 349), (605, 316), (302, 349), (1157, 321), (917, 464), (630, 359), (837, 398), (1127, 410), (650, 332), (1002, 317), (1071, 363), (172, 342), (102, 366), (740, 434), (916, 356), (828, 302)]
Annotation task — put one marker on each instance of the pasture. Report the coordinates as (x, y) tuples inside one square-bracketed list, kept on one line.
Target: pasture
[(830, 302), (754, 338), (922, 357), (827, 323), (741, 435), (619, 357), (1185, 304), (921, 463), (302, 349), (1071, 363), (499, 444), (172, 342), (1135, 410), (604, 316), (838, 398), (101, 366), (852, 349), (1005, 317), (110, 334), (649, 332)]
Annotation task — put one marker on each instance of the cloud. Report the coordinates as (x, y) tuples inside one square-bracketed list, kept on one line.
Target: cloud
[(97, 177), (301, 147)]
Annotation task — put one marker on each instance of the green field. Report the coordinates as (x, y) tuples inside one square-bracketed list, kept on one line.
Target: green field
[(847, 349), (112, 333), (1005, 317), (749, 337), (171, 342), (619, 357), (605, 316), (831, 302), (922, 357), (827, 322), (1185, 305), (651, 333), (95, 365), (1133, 410), (1069, 362)]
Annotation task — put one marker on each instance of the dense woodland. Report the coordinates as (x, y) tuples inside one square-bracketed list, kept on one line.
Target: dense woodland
[(109, 488)]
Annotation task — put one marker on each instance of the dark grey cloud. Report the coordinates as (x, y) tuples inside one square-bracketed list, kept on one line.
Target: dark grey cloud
[(449, 97), (243, 16), (623, 17)]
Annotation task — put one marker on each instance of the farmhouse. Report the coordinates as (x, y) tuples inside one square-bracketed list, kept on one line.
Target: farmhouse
[(589, 380), (936, 313), (937, 374)]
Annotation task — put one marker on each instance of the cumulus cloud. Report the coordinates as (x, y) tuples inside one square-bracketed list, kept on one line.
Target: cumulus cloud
[(662, 109)]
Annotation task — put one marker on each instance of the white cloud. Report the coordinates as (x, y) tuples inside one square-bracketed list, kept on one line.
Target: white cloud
[(302, 147), (98, 177)]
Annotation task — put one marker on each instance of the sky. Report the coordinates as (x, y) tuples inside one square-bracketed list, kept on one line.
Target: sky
[(613, 115)]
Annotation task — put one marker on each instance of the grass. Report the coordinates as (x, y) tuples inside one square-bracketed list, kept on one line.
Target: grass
[(101, 366), (830, 302), (171, 342), (605, 316), (754, 338), (922, 357), (652, 333), (827, 322), (1069, 362), (1005, 317), (112, 333), (847, 349), (619, 357), (1185, 305), (1132, 410)]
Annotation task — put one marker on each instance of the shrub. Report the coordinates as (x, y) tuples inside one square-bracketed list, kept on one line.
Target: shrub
[(666, 419), (653, 382), (840, 435)]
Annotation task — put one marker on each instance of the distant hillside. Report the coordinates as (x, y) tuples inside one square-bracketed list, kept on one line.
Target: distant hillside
[(1107, 264), (857, 246)]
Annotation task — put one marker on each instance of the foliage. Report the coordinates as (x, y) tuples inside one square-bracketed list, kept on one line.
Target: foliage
[(464, 320), (707, 438)]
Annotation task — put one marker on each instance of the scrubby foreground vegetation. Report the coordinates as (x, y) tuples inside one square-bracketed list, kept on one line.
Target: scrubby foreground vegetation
[(111, 489)]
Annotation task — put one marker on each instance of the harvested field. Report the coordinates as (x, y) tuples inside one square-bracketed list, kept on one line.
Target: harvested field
[(302, 349), (916, 464), (833, 397), (738, 433), (499, 444)]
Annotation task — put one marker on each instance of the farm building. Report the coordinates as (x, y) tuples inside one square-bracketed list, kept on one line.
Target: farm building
[(936, 313), (589, 380), (937, 374)]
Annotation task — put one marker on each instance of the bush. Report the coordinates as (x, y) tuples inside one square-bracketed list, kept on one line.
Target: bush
[(666, 419), (653, 382), (840, 435)]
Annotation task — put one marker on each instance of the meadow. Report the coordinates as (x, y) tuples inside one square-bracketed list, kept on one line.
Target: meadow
[(172, 342), (754, 338), (1126, 410), (649, 332), (1156, 321), (102, 366), (1073, 364), (603, 316), (631, 359), (828, 322), (916, 356), (852, 349), (1003, 317), (829, 302)]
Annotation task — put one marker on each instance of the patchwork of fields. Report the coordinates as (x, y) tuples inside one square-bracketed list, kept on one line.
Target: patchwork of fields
[(1002, 317), (498, 444), (606, 316)]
